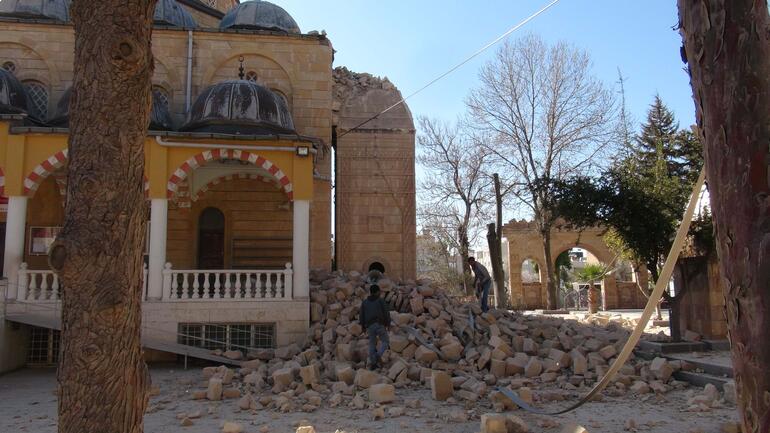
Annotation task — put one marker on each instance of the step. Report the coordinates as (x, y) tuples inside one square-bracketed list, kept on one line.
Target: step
[(701, 379), (670, 347)]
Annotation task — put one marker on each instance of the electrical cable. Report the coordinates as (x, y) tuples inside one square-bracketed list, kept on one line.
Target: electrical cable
[(454, 68)]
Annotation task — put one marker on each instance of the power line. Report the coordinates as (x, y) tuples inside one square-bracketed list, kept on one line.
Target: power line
[(454, 68)]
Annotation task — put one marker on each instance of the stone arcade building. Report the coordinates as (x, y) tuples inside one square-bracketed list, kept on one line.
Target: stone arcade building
[(248, 114)]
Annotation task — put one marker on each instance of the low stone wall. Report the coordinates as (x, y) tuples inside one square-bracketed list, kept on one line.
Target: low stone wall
[(533, 296), (629, 296)]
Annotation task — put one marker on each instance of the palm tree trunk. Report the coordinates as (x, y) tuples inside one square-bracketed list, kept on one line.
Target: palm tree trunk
[(728, 54), (98, 255)]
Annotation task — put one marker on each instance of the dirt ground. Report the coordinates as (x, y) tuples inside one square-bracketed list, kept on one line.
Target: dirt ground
[(28, 404)]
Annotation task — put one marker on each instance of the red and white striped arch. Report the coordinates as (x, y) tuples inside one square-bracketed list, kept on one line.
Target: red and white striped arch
[(237, 176), (203, 158), (43, 170), (48, 167)]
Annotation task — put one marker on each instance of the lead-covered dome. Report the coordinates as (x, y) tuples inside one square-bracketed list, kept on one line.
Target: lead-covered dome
[(171, 13), (13, 98), (160, 117), (259, 15), (240, 107), (58, 10)]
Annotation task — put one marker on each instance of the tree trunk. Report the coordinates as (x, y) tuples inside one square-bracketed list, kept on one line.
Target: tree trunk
[(728, 54), (497, 260), (462, 233), (593, 303), (98, 255), (494, 251), (653, 269), (550, 287)]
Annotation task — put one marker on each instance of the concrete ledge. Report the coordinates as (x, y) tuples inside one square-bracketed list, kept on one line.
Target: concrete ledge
[(680, 347)]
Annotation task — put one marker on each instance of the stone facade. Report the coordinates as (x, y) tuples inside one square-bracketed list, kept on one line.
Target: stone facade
[(261, 184), (702, 307), (525, 242), (376, 218)]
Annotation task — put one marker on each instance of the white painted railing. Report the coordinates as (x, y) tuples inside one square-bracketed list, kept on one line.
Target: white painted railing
[(226, 284), (43, 285), (38, 285)]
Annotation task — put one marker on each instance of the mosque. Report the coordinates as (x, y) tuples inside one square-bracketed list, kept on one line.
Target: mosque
[(258, 170)]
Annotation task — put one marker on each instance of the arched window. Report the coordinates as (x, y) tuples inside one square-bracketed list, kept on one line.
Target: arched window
[(37, 93), (251, 76), (10, 67), (159, 93)]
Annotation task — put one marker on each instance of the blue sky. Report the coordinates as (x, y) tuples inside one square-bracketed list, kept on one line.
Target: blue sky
[(411, 42)]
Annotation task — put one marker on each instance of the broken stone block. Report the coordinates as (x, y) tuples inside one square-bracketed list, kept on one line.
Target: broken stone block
[(287, 352), (398, 343), (232, 427), (608, 352), (579, 362), (498, 423), (199, 395), (561, 359), (305, 429), (382, 393), (358, 402), (452, 351), (231, 393), (729, 395), (497, 368), (365, 378), (186, 422), (283, 378), (525, 394), (233, 354), (345, 374), (396, 369), (458, 415), (246, 402), (395, 411), (378, 413), (214, 391), (640, 387), (661, 368), (441, 386), (425, 356), (310, 374), (533, 368)]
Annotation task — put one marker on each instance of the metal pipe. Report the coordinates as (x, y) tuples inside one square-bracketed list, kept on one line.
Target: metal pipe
[(188, 93), (164, 143)]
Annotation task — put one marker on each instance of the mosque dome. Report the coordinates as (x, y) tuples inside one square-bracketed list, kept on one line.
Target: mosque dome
[(13, 99), (171, 13), (240, 107), (58, 10), (160, 117), (259, 15)]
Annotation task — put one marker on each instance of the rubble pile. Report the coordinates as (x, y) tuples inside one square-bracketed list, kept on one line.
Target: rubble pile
[(438, 344)]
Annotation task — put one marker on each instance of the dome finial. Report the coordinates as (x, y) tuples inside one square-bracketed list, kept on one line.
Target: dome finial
[(241, 75)]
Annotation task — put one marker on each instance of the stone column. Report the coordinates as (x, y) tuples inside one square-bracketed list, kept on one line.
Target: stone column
[(301, 249), (15, 229), (157, 260)]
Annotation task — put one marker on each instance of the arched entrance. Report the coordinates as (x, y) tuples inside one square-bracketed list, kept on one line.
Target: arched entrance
[(211, 239)]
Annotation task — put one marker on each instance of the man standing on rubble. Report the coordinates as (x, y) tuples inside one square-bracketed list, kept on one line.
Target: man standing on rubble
[(482, 282), (375, 318)]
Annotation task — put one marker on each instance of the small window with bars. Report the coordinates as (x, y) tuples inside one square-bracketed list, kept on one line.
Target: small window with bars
[(228, 336), (10, 67), (43, 346), (161, 95), (251, 76), (37, 93), (211, 3)]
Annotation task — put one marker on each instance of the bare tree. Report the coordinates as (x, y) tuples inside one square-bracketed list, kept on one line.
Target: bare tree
[(98, 255), (728, 56), (455, 191), (551, 119)]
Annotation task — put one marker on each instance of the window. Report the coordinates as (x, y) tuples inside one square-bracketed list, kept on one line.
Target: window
[(251, 76), (161, 95), (37, 93), (228, 336), (10, 67), (43, 346), (211, 3)]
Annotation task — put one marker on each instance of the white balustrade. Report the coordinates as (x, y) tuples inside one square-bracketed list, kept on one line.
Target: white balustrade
[(38, 285), (227, 284)]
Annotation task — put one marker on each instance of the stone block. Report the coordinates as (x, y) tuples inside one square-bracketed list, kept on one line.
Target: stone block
[(499, 423), (452, 351), (497, 368), (441, 386), (382, 393), (398, 343), (365, 378), (283, 377), (608, 352), (533, 368), (425, 356), (310, 374), (396, 369), (214, 391), (579, 362), (661, 368), (562, 359), (345, 374)]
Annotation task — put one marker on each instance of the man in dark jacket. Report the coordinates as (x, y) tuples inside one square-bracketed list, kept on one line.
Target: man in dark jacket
[(375, 318), (483, 282)]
